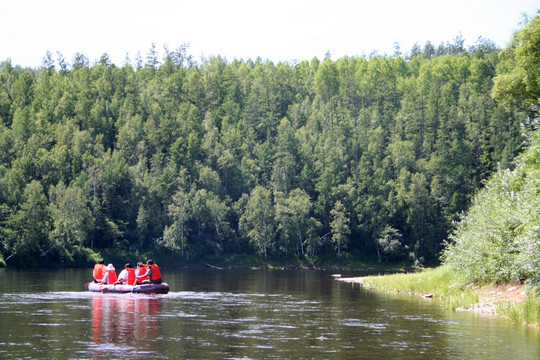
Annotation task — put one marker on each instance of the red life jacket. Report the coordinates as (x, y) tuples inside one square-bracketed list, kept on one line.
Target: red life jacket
[(112, 277), (156, 274), (99, 272), (142, 271), (131, 276)]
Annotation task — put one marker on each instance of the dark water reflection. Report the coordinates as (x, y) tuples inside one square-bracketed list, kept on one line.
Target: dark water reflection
[(241, 315)]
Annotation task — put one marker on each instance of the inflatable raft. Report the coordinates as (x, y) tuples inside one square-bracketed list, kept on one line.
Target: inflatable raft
[(162, 288)]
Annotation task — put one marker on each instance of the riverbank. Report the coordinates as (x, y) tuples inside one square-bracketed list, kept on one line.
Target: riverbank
[(514, 301), (294, 263)]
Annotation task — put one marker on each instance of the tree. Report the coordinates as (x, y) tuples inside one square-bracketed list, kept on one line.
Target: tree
[(340, 227), (292, 217), (518, 81), (180, 56), (71, 217), (391, 244), (257, 220), (30, 226), (152, 58), (218, 212), (285, 171), (143, 227), (48, 63), (166, 152), (497, 239), (175, 235), (62, 63), (22, 91)]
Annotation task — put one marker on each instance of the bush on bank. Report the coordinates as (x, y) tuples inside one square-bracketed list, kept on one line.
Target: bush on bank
[(499, 238)]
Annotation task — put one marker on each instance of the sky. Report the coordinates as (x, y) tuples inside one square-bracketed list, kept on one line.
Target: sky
[(277, 30)]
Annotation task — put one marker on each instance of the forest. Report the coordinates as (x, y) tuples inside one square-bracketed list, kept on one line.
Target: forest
[(498, 239), (372, 157)]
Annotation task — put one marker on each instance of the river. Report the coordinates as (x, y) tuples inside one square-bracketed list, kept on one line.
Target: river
[(241, 314)]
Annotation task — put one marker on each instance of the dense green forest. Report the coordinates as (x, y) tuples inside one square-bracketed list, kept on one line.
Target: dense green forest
[(355, 158), (498, 240)]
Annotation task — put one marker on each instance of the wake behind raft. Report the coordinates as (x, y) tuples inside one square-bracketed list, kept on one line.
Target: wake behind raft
[(162, 288)]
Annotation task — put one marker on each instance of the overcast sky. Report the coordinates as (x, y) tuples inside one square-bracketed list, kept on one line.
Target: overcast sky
[(278, 30)]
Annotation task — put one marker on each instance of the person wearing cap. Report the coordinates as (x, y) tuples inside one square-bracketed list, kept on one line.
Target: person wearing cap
[(127, 276), (99, 271), (110, 275)]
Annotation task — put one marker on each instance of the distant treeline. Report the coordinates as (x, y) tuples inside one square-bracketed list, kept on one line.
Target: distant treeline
[(358, 158)]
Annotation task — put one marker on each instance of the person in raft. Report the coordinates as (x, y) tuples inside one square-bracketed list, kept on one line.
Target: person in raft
[(110, 275), (141, 270), (99, 271), (152, 273), (127, 276)]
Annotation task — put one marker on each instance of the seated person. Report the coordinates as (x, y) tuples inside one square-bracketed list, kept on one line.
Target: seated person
[(152, 273), (127, 276), (110, 275)]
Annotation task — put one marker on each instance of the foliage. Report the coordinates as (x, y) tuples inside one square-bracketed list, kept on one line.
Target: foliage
[(313, 159), (498, 240), (340, 227), (257, 221), (518, 83), (390, 244)]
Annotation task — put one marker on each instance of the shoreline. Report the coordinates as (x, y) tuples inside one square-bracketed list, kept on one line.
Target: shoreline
[(490, 297)]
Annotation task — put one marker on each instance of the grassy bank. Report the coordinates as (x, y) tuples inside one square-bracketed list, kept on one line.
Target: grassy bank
[(526, 312), (442, 282), (447, 284)]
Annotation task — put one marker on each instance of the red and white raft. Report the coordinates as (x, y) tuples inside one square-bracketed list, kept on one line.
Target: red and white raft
[(162, 288)]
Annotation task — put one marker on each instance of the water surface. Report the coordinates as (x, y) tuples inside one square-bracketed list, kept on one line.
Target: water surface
[(241, 314)]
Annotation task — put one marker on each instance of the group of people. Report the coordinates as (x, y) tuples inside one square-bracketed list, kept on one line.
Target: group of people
[(144, 274)]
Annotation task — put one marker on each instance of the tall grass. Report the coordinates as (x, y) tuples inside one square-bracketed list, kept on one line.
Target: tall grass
[(449, 285), (527, 312), (443, 282)]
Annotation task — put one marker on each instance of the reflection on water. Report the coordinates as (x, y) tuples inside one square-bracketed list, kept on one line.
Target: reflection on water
[(122, 322), (242, 315)]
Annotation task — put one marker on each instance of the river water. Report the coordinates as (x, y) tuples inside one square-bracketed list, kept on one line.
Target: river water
[(241, 314)]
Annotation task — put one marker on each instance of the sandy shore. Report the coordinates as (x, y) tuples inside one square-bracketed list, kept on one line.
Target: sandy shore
[(353, 280)]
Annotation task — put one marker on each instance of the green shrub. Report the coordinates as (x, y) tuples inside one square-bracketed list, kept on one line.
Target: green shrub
[(499, 238), (391, 244)]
